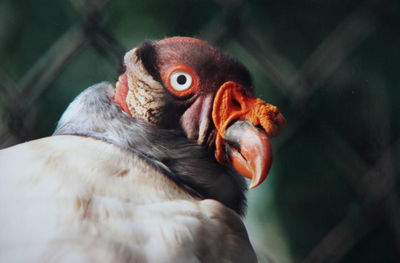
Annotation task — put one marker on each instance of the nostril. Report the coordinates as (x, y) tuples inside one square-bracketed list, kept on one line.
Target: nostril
[(236, 104)]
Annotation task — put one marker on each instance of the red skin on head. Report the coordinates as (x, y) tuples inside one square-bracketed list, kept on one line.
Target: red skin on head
[(219, 95), (121, 92)]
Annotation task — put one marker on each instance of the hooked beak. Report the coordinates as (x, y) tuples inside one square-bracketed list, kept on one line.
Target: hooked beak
[(249, 151), (243, 123)]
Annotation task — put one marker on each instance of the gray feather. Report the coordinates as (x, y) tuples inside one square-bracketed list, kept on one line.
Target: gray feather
[(193, 167)]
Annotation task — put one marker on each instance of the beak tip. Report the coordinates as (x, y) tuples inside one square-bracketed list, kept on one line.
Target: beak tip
[(258, 178), (253, 185), (253, 158)]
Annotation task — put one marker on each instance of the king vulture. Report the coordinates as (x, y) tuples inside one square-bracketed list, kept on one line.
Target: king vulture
[(148, 170)]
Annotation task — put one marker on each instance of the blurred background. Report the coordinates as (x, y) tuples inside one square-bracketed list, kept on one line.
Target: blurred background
[(332, 67)]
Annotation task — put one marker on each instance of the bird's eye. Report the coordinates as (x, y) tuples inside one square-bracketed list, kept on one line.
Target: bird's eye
[(180, 80)]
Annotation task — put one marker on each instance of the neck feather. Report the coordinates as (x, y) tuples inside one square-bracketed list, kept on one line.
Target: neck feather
[(94, 114)]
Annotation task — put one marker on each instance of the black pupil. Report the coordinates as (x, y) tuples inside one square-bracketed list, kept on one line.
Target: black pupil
[(181, 79)]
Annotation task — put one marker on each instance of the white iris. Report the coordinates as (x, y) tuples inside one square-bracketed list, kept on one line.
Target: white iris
[(180, 80)]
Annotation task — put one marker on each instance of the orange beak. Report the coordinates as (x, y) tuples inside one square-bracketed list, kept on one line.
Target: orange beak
[(243, 123)]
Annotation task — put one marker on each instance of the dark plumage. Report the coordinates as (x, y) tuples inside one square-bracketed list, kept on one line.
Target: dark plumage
[(146, 53), (191, 166)]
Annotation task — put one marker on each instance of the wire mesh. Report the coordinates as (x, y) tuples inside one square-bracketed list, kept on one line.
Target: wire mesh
[(370, 169)]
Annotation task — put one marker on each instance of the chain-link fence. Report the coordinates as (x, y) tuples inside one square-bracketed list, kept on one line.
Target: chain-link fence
[(335, 177)]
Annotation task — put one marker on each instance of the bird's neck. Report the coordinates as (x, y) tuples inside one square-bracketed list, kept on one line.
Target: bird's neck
[(94, 114)]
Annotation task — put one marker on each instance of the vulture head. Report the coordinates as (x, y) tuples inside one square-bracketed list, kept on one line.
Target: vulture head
[(185, 84), (188, 110)]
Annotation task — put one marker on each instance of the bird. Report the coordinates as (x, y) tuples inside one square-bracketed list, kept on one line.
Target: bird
[(149, 169)]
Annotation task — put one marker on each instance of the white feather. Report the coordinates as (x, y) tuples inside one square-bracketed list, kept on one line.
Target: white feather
[(76, 199)]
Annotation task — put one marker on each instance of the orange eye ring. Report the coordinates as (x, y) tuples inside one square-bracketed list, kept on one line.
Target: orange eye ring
[(181, 80)]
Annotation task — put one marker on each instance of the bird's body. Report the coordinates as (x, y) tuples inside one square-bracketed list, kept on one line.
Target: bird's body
[(101, 204), (117, 183)]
